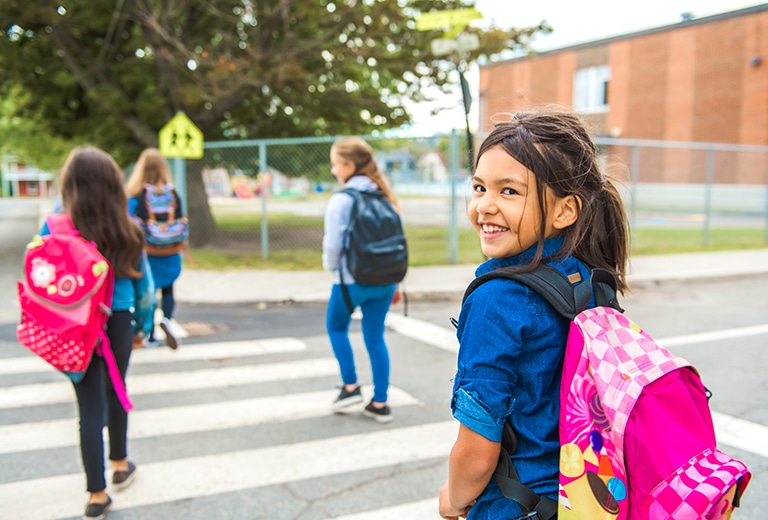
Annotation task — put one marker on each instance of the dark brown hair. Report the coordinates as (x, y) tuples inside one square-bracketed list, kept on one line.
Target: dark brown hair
[(93, 196), (556, 147)]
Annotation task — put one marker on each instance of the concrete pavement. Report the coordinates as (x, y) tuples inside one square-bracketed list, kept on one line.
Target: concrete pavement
[(444, 282)]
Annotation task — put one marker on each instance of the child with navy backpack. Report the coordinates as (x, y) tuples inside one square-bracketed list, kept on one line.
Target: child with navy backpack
[(567, 408), (353, 165), (538, 196), (93, 197)]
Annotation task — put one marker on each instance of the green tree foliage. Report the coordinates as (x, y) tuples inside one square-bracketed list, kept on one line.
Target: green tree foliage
[(28, 138), (113, 73)]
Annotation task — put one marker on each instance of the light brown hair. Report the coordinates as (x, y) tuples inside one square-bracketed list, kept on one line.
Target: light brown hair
[(357, 151), (151, 168)]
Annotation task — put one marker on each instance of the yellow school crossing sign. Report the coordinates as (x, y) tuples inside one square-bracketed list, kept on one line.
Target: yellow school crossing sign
[(181, 138), (455, 20)]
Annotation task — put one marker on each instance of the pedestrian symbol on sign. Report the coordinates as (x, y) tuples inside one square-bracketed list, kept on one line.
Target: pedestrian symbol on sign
[(181, 138)]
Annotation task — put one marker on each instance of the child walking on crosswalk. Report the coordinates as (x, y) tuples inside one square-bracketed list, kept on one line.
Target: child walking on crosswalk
[(92, 194)]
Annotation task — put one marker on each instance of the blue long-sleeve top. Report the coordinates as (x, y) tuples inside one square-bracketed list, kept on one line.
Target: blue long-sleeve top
[(136, 295), (510, 358), (335, 225)]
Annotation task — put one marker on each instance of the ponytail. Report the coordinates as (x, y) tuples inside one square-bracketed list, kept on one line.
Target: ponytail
[(355, 150)]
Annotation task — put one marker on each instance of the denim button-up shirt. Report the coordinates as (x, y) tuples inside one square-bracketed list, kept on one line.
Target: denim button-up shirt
[(510, 358)]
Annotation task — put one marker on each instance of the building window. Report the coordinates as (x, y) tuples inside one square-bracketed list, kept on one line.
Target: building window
[(590, 90), (32, 188)]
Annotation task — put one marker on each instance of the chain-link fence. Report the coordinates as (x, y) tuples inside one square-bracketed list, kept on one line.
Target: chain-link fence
[(267, 197)]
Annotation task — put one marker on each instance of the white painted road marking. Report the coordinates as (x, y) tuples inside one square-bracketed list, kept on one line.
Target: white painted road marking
[(226, 472), (715, 335), (421, 510), (186, 419), (741, 434), (429, 333), (195, 352), (47, 393)]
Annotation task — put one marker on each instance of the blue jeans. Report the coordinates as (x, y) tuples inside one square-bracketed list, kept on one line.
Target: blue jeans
[(374, 301)]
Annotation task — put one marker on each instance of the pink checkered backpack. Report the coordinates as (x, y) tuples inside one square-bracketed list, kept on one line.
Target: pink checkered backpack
[(65, 300), (636, 435)]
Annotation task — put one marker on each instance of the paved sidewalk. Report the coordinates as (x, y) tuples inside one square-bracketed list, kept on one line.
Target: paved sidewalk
[(443, 282)]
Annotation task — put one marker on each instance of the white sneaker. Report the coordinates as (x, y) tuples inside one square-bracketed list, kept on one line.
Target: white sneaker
[(171, 337)]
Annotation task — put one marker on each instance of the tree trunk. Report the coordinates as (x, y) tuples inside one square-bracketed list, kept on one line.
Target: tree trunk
[(202, 227)]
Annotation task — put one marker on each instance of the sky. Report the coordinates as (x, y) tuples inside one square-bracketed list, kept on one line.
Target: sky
[(573, 22)]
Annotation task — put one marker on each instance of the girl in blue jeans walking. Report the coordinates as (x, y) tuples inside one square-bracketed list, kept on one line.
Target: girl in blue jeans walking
[(353, 165)]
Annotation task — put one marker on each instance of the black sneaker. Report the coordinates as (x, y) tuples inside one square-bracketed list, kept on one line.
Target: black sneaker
[(123, 479), (97, 511), (380, 415), (171, 337), (347, 398)]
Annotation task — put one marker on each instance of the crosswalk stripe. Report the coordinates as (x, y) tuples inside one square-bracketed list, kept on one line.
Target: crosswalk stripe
[(214, 474), (410, 511), (186, 419), (716, 335), (196, 352), (49, 393), (445, 338), (423, 331), (741, 434)]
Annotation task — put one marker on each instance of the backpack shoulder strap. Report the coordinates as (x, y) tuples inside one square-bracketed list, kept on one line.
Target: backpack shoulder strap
[(566, 299), (59, 223), (356, 198)]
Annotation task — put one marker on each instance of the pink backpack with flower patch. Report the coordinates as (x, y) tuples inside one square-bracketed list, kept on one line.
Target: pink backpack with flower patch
[(65, 300), (636, 435)]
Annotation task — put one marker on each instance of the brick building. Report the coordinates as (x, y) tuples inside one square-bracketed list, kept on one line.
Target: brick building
[(22, 180), (702, 80)]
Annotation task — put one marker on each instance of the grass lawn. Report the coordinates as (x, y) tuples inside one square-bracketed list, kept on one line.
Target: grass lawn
[(295, 243)]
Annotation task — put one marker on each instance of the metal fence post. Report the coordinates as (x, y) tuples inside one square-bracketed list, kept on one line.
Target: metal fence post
[(264, 193), (634, 175), (453, 239), (180, 181), (708, 195)]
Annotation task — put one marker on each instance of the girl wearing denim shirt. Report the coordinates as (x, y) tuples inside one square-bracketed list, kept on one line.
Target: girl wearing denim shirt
[(538, 197), (92, 194), (353, 165)]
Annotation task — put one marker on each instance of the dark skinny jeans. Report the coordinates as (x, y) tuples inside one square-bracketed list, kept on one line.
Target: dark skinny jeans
[(98, 404)]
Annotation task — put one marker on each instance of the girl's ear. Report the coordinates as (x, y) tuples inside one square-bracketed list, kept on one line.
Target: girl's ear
[(566, 212)]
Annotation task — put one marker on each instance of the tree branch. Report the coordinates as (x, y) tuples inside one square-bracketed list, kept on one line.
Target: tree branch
[(90, 77)]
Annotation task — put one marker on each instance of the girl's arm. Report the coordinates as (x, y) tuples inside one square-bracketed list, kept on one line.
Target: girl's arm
[(144, 291), (470, 467), (335, 225)]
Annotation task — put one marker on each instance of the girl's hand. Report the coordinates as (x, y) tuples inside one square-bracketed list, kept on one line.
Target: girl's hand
[(447, 510), (396, 297)]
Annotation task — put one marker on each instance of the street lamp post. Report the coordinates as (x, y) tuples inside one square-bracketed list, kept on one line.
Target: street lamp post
[(456, 50)]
